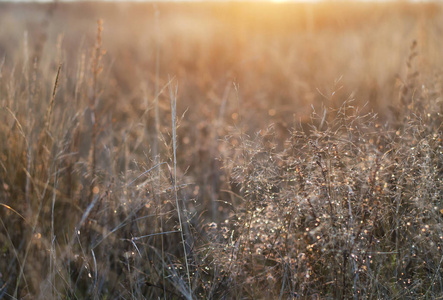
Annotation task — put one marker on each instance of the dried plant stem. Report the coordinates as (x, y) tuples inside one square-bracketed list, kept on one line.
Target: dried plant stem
[(53, 253), (155, 148), (96, 70), (173, 95), (51, 103)]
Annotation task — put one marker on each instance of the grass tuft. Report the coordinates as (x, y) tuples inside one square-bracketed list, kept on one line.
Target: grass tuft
[(301, 157)]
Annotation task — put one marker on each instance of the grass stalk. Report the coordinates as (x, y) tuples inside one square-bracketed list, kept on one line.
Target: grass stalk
[(173, 96)]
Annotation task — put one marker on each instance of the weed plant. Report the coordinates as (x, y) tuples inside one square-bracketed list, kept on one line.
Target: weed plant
[(274, 165)]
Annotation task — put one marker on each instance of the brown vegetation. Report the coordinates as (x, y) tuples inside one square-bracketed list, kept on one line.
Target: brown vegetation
[(221, 151)]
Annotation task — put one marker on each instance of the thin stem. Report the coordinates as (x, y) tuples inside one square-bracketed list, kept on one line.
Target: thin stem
[(173, 95)]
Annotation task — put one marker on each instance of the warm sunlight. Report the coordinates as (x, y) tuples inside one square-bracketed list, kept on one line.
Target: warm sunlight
[(221, 150), (297, 1)]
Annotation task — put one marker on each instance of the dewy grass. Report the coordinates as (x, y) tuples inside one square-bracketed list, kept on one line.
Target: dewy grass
[(310, 187)]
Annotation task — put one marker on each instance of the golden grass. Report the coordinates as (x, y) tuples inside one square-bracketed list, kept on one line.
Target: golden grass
[(300, 156)]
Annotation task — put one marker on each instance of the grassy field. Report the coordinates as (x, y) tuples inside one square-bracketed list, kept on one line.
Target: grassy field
[(221, 151)]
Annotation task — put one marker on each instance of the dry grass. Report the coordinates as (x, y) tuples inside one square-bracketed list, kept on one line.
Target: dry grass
[(300, 157)]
